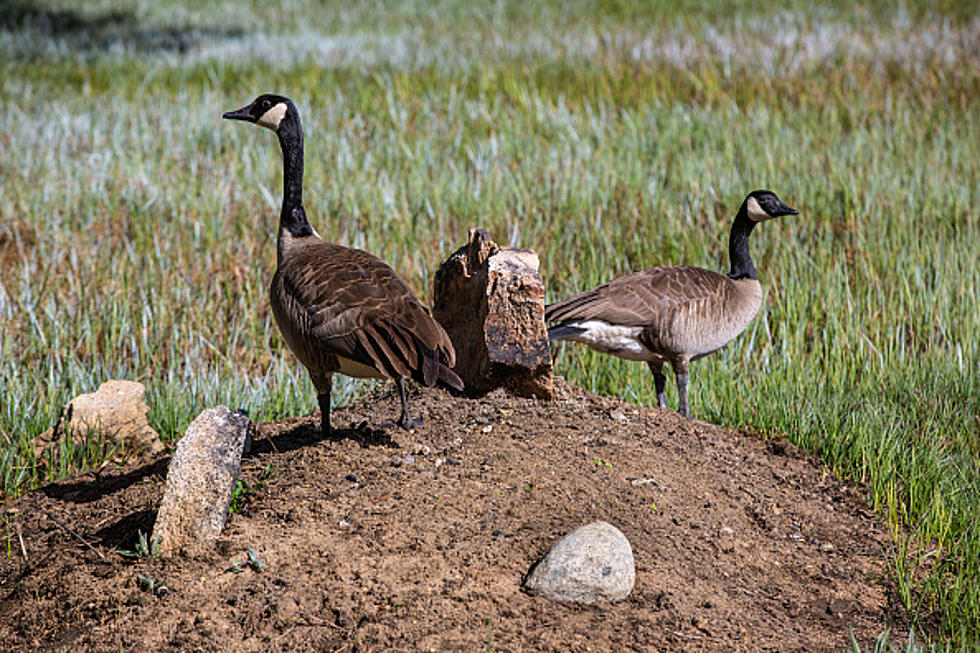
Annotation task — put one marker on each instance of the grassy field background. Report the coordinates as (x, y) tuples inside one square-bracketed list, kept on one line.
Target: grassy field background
[(137, 228)]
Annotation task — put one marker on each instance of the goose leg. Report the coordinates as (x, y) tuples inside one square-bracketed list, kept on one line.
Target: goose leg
[(680, 373), (660, 381), (323, 385), (405, 421), (324, 401)]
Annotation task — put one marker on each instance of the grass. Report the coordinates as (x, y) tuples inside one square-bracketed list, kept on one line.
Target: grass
[(136, 228)]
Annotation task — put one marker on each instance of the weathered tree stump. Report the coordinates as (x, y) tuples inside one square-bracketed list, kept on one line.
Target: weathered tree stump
[(490, 300)]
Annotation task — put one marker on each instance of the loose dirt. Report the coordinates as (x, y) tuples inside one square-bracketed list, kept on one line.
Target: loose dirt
[(382, 539)]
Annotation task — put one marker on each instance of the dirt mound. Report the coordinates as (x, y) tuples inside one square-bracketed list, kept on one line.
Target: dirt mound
[(383, 539)]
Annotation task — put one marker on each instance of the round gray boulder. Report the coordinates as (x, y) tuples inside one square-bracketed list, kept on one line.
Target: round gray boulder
[(592, 563)]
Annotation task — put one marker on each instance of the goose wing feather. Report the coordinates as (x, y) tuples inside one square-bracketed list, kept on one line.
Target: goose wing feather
[(643, 297), (347, 302)]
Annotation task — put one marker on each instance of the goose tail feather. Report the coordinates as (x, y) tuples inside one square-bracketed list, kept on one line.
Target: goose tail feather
[(562, 331)]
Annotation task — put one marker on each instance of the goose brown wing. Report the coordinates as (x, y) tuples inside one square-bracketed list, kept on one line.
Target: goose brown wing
[(352, 304), (641, 298)]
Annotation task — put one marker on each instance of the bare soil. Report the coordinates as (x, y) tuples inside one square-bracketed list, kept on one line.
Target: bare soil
[(382, 539)]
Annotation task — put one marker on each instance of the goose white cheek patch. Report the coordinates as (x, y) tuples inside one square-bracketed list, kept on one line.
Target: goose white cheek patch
[(273, 116), (756, 214)]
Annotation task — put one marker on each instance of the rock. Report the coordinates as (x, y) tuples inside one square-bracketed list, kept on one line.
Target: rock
[(490, 300), (592, 563), (200, 481), (726, 539), (115, 412)]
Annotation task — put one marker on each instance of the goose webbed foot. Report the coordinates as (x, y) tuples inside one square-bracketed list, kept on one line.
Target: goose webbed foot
[(406, 421)]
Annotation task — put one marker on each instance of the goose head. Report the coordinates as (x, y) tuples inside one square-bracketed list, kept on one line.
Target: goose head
[(268, 110), (763, 205)]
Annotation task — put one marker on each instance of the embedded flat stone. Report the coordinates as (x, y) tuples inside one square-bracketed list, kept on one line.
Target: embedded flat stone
[(200, 481), (114, 414)]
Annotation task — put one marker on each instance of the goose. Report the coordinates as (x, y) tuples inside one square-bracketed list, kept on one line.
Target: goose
[(672, 314), (343, 310)]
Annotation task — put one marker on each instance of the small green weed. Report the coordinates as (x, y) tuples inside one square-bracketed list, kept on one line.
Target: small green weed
[(145, 548), (252, 561), (238, 496), (242, 494), (490, 647), (152, 585)]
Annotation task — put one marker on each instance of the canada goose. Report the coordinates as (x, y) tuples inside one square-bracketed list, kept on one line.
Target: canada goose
[(672, 314), (341, 309)]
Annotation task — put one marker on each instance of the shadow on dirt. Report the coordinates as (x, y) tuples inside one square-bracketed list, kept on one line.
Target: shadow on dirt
[(305, 434), (123, 533), (92, 486)]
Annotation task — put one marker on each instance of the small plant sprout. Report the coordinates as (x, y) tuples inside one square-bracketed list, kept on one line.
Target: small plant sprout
[(242, 493), (153, 586), (239, 496), (144, 548), (252, 561)]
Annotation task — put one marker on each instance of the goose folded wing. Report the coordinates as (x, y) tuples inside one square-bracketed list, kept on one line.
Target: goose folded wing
[(363, 311), (641, 297)]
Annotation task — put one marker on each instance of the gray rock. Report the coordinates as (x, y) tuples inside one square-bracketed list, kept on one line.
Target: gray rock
[(200, 481), (592, 563), (115, 412), (490, 301)]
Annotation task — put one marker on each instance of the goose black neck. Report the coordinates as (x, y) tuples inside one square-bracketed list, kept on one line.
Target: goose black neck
[(293, 216), (738, 247)]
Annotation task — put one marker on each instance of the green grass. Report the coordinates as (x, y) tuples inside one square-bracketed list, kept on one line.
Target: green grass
[(137, 228)]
